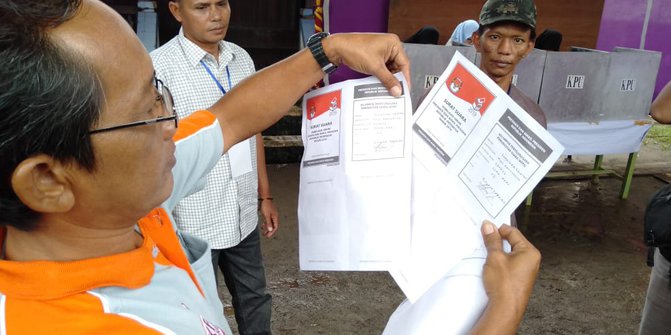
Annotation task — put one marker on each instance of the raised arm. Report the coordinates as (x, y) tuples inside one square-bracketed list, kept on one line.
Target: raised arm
[(262, 99), (661, 107), (508, 278)]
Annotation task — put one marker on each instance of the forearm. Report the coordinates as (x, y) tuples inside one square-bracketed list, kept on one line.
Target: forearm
[(508, 279), (263, 98), (264, 184), (661, 107), (498, 319)]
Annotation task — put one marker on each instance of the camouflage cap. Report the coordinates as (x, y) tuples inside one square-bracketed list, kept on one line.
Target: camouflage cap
[(522, 11)]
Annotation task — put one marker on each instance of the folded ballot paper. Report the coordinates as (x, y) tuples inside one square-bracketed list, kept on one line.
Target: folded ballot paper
[(383, 189)]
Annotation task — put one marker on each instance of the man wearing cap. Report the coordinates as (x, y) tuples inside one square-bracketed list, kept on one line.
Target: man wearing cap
[(506, 35)]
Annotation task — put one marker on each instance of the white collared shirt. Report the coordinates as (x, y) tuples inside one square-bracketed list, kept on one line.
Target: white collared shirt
[(225, 211)]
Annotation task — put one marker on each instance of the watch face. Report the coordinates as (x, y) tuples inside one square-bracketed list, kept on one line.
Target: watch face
[(315, 46), (317, 37)]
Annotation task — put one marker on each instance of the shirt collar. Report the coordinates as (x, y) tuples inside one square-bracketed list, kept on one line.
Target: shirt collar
[(194, 54), (44, 280)]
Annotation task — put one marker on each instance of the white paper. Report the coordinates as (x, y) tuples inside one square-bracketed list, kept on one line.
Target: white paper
[(240, 156), (447, 306), (476, 156), (354, 196)]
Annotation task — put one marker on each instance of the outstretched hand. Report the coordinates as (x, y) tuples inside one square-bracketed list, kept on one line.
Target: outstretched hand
[(380, 55), (660, 110), (509, 276), (508, 279)]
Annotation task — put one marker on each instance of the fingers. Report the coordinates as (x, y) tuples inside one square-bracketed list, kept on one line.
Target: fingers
[(512, 234), (271, 228), (520, 245), (276, 222), (270, 219), (491, 237), (515, 237), (505, 232), (389, 81), (375, 54), (509, 277), (401, 64), (397, 61), (267, 230)]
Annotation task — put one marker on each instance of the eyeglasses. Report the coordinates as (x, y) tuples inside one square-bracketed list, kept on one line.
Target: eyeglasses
[(168, 106)]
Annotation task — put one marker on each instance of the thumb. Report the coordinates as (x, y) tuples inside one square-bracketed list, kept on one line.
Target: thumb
[(389, 81), (491, 237)]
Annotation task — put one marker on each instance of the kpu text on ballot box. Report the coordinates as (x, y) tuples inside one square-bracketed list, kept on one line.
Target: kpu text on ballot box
[(572, 84), (630, 85), (597, 103)]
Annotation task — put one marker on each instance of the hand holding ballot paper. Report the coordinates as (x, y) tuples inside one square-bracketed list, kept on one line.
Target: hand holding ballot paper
[(410, 196), (476, 156), (353, 205)]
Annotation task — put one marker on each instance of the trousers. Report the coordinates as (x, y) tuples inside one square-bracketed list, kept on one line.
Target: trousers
[(245, 278), (657, 310)]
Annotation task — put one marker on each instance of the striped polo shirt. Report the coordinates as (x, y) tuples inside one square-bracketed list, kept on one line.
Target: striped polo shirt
[(166, 286)]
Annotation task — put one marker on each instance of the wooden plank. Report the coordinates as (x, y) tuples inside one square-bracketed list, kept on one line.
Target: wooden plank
[(577, 20)]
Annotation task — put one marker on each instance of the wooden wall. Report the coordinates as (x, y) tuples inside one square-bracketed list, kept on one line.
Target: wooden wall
[(267, 29), (577, 20)]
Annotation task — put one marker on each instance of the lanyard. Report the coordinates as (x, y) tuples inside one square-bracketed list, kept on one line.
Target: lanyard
[(228, 74)]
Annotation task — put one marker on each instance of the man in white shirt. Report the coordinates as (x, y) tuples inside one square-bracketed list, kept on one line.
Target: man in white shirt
[(200, 67)]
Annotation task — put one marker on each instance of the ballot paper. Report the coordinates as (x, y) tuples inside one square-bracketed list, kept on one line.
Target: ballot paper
[(354, 193), (453, 305), (476, 156)]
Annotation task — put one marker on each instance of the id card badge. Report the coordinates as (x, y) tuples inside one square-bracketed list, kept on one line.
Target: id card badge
[(240, 156)]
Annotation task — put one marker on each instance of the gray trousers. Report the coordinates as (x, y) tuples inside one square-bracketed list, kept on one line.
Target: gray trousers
[(245, 278), (657, 310)]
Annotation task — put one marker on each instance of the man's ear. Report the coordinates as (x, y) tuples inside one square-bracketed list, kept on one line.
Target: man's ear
[(532, 44), (41, 183), (476, 41), (175, 10)]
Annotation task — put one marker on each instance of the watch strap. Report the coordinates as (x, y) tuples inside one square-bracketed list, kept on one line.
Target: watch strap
[(317, 50)]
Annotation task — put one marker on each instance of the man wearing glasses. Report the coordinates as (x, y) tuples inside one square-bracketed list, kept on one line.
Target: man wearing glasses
[(200, 67), (91, 163)]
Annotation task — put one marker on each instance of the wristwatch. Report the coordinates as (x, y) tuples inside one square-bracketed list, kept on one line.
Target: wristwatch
[(315, 46)]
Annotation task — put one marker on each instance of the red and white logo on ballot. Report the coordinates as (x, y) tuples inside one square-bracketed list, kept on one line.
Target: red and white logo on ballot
[(320, 104), (466, 87)]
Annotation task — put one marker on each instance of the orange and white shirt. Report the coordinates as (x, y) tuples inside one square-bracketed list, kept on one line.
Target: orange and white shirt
[(166, 286)]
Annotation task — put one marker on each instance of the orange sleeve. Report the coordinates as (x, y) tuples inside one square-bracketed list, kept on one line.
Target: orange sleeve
[(193, 123), (79, 314)]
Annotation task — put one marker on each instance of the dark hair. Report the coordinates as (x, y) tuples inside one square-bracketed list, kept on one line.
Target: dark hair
[(549, 39), (532, 35), (49, 97)]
